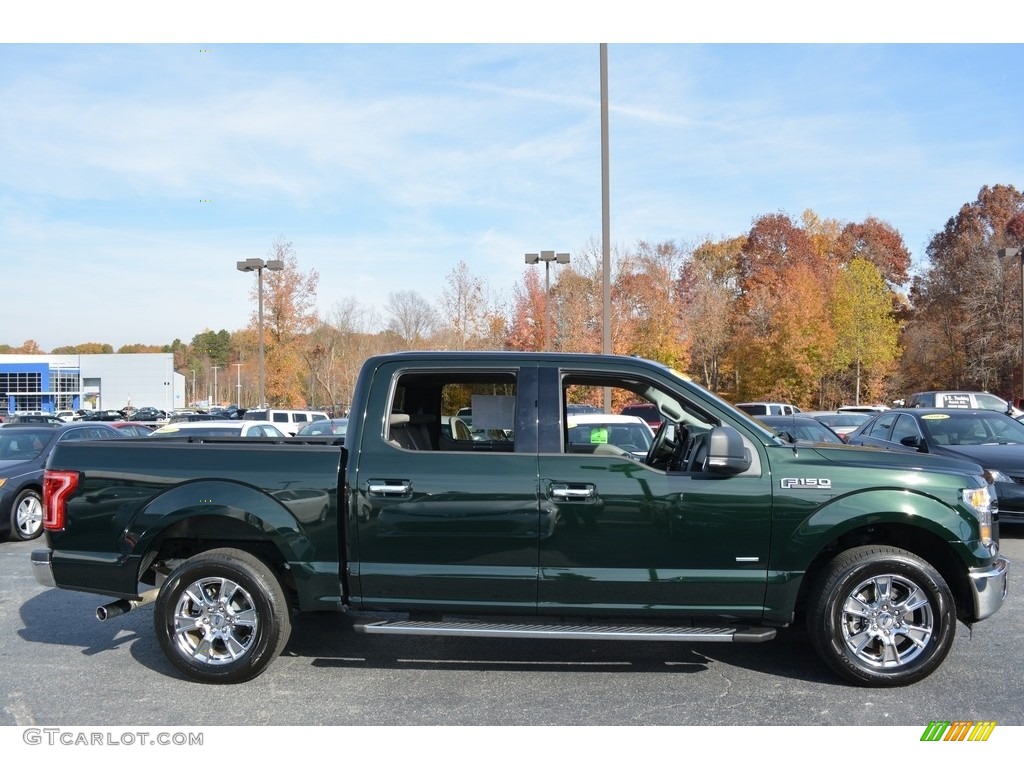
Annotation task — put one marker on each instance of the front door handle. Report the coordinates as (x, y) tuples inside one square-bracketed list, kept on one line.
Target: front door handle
[(572, 492)]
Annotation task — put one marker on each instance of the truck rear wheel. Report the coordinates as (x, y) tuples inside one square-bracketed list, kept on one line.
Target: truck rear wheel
[(881, 616), (222, 617)]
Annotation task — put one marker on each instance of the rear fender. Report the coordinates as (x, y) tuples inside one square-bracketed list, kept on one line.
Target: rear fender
[(199, 509)]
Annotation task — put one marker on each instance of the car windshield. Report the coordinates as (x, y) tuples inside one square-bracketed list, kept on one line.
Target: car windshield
[(846, 419), (22, 445), (204, 431), (974, 429), (630, 437)]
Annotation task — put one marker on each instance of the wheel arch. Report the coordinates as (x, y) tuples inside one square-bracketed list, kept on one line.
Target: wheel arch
[(203, 515), (924, 543), (908, 520)]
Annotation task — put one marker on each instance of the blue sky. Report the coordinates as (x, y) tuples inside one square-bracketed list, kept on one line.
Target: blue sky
[(134, 175)]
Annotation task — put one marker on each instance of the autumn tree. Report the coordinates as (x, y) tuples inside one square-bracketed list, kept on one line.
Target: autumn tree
[(783, 334), (411, 318), (526, 321), (138, 349), (463, 310), (355, 339), (647, 304), (89, 348), (289, 316), (966, 302), (708, 291)]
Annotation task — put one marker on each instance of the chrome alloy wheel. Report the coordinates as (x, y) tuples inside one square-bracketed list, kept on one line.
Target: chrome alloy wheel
[(29, 516), (215, 621), (887, 621)]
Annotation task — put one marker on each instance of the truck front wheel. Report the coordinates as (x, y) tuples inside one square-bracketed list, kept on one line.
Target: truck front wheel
[(881, 616), (222, 617)]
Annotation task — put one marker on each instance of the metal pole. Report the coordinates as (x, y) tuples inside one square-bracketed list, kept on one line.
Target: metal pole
[(259, 281), (1017, 253), (547, 306), (606, 229)]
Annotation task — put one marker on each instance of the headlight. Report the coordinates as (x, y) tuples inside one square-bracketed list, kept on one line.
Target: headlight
[(2, 481), (980, 500), (995, 476)]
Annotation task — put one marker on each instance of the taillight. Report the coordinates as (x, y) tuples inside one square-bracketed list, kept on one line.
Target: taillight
[(58, 485)]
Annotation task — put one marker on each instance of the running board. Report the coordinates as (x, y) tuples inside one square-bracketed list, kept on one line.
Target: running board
[(570, 631)]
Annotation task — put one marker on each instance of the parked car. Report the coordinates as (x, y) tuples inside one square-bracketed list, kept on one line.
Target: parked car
[(768, 409), (24, 449), (840, 422), (219, 428), (574, 408), (594, 431), (104, 415), (288, 420), (993, 440), (862, 408), (149, 413), (336, 427), (133, 428), (800, 428), (647, 411), (180, 417), (32, 418), (985, 400)]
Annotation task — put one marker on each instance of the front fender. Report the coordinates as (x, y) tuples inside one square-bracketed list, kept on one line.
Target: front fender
[(874, 507), (797, 543)]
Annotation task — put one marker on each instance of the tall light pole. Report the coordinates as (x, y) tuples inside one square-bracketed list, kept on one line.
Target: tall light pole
[(1013, 253), (547, 257), (238, 384), (606, 225), (215, 369), (257, 266)]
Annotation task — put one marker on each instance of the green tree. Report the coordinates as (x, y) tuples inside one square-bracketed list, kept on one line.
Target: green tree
[(867, 333)]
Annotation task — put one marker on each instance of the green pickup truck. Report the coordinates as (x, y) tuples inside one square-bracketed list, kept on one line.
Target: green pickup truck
[(526, 525)]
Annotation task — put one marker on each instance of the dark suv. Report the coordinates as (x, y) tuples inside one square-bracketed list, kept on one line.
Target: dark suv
[(647, 411)]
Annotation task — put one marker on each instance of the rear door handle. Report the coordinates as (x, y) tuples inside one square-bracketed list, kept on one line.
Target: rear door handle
[(389, 487)]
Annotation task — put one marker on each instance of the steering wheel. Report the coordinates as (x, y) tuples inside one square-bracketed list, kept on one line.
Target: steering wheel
[(664, 447), (695, 455)]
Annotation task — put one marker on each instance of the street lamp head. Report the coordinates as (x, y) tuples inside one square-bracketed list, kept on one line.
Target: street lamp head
[(249, 265), (532, 258), (275, 265), (562, 258)]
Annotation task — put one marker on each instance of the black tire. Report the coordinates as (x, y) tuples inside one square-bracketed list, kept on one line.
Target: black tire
[(222, 617), (881, 616), (27, 515)]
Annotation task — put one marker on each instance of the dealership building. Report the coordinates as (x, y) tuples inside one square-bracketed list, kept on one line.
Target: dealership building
[(52, 383)]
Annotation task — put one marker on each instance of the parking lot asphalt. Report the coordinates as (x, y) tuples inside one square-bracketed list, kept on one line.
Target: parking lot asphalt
[(60, 666)]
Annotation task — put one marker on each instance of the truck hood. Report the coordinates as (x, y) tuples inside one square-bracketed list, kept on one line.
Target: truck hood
[(10, 468), (1007, 457), (878, 458)]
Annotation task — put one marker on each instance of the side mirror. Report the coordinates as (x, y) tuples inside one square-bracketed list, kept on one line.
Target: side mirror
[(727, 453), (912, 441)]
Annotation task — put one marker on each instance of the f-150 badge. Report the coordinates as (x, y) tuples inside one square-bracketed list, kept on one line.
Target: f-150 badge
[(806, 483)]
